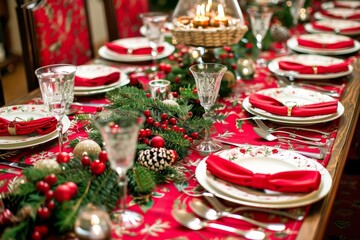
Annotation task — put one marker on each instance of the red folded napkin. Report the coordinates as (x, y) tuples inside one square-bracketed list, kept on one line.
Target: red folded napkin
[(39, 126), (98, 81), (137, 51), (339, 4), (337, 45), (301, 181), (321, 27), (315, 69), (329, 14), (274, 106)]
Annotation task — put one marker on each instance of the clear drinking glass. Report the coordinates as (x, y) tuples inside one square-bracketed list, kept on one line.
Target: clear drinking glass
[(208, 79), (260, 21), (159, 89), (57, 89), (119, 130), (154, 24)]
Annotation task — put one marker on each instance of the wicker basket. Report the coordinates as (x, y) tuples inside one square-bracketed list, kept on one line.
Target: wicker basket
[(209, 37)]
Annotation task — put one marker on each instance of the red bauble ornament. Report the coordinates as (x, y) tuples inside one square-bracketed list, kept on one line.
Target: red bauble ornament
[(97, 167), (62, 193), (42, 229), (42, 186), (164, 116), (50, 179), (63, 157), (85, 161), (49, 195), (157, 124), (172, 121), (195, 135), (157, 142), (43, 212), (72, 188), (5, 217), (50, 205), (103, 157), (147, 113), (36, 235)]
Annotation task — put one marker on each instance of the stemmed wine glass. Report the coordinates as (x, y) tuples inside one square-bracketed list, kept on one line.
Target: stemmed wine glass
[(119, 130), (208, 79), (295, 8), (154, 24), (57, 89), (260, 21)]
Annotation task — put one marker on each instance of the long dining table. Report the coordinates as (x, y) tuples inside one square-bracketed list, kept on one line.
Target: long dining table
[(317, 214), (314, 225)]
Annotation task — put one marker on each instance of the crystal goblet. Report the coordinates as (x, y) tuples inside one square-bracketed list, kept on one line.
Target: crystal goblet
[(260, 21), (57, 90), (208, 78), (119, 130), (154, 24)]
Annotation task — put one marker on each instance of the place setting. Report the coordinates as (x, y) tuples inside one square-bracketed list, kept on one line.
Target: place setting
[(293, 106), (95, 78), (310, 66), (337, 26), (324, 44), (264, 177), (338, 13)]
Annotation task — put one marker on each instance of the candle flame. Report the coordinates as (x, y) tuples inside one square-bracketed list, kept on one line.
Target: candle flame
[(208, 5), (221, 13)]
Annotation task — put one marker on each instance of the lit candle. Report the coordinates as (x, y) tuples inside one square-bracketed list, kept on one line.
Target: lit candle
[(221, 19), (200, 20), (208, 7)]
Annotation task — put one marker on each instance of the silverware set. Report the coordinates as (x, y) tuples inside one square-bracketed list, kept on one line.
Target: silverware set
[(207, 216)]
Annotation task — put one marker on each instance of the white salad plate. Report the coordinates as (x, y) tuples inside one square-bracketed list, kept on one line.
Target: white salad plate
[(260, 159), (27, 112), (133, 43)]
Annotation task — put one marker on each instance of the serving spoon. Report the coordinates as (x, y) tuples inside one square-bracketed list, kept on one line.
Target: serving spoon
[(208, 213), (270, 137), (189, 220)]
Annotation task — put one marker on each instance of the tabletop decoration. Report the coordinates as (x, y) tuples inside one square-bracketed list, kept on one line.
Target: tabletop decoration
[(208, 23)]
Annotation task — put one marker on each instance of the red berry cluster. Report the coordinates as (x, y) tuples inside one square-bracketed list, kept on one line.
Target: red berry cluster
[(98, 166), (167, 123)]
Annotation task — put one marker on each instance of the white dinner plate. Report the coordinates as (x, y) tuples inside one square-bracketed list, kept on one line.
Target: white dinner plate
[(264, 160), (301, 97), (310, 60), (292, 43), (28, 112), (337, 24), (341, 13), (133, 43)]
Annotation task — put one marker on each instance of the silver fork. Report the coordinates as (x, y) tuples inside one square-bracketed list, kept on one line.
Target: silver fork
[(262, 125), (212, 199)]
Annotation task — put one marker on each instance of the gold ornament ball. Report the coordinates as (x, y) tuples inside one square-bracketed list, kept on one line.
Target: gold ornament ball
[(88, 146), (229, 77)]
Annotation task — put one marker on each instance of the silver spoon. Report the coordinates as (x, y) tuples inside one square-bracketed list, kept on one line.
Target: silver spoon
[(189, 220), (208, 213), (270, 137), (214, 201)]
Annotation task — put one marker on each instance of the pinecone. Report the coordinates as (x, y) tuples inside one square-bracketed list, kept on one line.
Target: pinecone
[(279, 33), (156, 159)]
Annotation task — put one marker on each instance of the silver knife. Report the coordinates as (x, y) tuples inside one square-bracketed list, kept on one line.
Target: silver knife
[(16, 164)]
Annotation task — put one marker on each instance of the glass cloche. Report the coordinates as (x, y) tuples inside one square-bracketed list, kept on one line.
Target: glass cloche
[(208, 23)]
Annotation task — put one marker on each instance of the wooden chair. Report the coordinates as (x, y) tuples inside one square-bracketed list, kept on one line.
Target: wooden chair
[(122, 17), (52, 32), (2, 98)]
